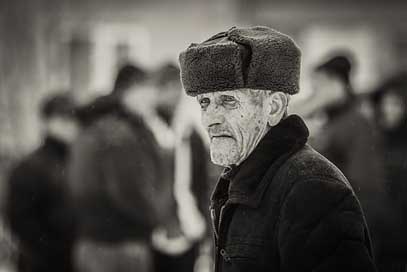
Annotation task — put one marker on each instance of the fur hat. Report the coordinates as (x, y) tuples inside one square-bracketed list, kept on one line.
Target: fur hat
[(256, 58)]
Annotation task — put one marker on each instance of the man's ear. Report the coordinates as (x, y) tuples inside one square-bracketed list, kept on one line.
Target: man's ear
[(278, 102)]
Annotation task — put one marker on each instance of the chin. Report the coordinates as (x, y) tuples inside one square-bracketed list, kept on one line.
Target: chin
[(224, 159), (224, 152)]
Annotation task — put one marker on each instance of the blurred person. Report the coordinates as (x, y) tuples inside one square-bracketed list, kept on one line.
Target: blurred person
[(117, 178), (348, 139), (98, 107), (391, 115), (392, 109), (188, 159), (38, 208), (390, 103), (170, 91), (279, 205), (352, 141)]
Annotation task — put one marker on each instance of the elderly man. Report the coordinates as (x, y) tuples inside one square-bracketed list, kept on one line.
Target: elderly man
[(279, 205)]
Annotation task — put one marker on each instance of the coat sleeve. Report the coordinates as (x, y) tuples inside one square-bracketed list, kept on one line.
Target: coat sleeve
[(322, 228)]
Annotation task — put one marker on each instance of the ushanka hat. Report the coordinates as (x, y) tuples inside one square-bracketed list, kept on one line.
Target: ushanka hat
[(257, 58)]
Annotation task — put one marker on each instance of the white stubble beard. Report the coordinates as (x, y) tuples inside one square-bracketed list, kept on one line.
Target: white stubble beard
[(224, 152)]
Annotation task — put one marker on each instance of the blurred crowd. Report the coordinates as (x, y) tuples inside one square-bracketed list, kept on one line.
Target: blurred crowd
[(117, 184), (123, 182), (364, 135)]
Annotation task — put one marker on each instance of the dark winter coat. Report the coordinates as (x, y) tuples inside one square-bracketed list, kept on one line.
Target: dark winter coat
[(117, 179), (287, 208), (38, 209)]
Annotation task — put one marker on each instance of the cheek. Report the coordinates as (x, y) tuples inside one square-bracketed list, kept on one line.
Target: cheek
[(251, 122), (238, 123)]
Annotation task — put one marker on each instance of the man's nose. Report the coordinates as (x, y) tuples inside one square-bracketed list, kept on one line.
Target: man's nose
[(212, 116)]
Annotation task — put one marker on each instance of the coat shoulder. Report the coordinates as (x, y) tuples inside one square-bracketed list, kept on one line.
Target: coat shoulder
[(308, 164), (321, 221), (314, 187)]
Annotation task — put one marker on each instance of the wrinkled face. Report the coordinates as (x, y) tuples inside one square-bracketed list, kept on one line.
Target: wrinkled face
[(235, 121)]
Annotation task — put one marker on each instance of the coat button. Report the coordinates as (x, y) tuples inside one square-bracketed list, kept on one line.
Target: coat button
[(224, 255)]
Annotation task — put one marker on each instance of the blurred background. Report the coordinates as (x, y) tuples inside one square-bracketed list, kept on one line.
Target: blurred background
[(79, 45), (51, 45)]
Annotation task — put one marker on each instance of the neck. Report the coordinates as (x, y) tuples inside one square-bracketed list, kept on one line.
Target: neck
[(253, 144)]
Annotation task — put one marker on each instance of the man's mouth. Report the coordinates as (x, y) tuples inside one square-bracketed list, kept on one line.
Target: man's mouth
[(221, 136)]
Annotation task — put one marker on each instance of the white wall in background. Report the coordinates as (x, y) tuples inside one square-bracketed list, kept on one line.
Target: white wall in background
[(105, 39)]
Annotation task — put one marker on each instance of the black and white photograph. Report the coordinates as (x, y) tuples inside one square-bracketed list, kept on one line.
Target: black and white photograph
[(203, 136)]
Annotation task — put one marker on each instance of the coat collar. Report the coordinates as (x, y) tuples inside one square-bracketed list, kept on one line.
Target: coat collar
[(247, 183)]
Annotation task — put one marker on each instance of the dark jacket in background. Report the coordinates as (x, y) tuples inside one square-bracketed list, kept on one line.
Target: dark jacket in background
[(287, 208), (355, 145), (117, 179), (39, 212), (395, 165), (395, 162)]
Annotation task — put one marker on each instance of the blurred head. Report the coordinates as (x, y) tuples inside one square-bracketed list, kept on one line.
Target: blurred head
[(237, 120), (332, 80), (135, 89), (392, 107), (169, 86), (390, 102), (59, 117)]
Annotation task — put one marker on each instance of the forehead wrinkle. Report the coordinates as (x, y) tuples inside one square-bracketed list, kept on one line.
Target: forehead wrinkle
[(254, 96)]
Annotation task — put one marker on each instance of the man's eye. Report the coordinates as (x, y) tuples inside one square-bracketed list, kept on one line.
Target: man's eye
[(229, 100), (204, 102)]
